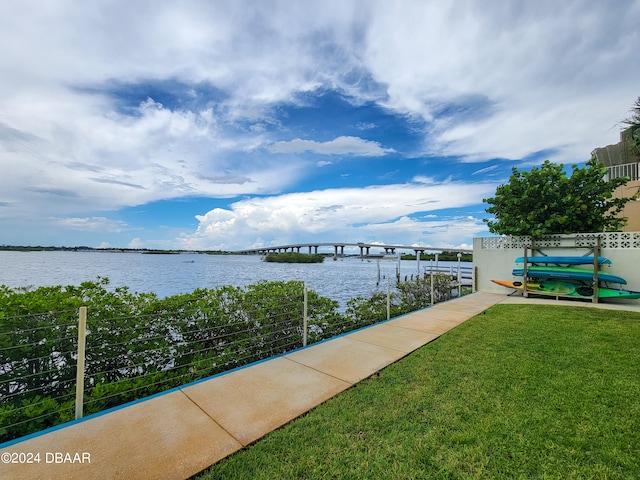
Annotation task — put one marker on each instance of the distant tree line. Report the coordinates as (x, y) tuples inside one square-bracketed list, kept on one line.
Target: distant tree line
[(31, 248)]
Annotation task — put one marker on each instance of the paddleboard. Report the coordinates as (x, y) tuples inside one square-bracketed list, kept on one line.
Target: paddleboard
[(564, 260), (566, 273), (567, 289)]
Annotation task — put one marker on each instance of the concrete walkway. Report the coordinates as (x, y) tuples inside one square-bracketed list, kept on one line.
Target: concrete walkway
[(179, 433)]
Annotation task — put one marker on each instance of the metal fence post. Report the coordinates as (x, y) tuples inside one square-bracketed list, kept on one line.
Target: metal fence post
[(432, 292), (388, 298), (82, 328), (305, 319), (459, 276)]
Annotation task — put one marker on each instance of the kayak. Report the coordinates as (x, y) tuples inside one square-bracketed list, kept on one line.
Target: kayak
[(564, 260), (567, 289), (567, 273)]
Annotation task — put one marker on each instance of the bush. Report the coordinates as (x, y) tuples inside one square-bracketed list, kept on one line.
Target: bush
[(138, 345), (294, 257)]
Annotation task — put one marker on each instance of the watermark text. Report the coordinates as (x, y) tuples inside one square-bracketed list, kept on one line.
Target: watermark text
[(45, 457)]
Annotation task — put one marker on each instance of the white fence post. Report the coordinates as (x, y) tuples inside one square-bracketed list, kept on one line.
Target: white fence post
[(474, 278), (305, 319), (82, 328)]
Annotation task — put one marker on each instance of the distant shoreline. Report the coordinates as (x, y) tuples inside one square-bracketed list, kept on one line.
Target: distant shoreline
[(22, 248), (443, 256)]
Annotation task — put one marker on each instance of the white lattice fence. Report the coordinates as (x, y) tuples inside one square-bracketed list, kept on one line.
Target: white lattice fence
[(607, 240)]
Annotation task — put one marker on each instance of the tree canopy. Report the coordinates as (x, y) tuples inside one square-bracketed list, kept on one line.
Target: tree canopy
[(633, 124), (545, 201)]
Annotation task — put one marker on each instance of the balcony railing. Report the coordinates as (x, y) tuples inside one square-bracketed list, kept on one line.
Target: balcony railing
[(629, 170)]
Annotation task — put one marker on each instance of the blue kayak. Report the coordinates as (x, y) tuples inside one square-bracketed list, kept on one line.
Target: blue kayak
[(564, 260), (566, 273)]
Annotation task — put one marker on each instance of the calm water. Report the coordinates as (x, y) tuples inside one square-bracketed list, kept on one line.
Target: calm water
[(167, 275)]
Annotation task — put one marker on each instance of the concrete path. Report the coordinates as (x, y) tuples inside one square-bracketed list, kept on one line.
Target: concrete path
[(179, 433)]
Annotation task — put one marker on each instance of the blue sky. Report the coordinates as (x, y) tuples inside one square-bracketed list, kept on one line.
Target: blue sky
[(232, 125)]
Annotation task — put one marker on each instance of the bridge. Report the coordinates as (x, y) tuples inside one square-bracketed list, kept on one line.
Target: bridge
[(338, 248)]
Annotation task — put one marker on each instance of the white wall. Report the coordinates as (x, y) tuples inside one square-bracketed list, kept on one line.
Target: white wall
[(493, 257)]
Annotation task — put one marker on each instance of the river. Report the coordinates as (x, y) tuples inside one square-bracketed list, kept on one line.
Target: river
[(170, 274)]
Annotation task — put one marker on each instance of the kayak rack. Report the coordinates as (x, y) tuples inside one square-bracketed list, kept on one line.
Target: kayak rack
[(595, 250)]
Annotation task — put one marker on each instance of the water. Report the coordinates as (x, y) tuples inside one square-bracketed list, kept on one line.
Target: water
[(167, 275)]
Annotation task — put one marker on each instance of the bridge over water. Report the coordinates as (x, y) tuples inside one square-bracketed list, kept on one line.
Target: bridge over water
[(338, 248)]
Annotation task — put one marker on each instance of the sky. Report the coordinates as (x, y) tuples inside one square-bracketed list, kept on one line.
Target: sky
[(229, 125)]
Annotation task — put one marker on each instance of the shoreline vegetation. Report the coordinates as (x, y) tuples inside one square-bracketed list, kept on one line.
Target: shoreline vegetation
[(140, 344), (294, 257)]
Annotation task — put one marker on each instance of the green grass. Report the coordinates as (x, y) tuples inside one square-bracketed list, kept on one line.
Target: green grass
[(517, 392)]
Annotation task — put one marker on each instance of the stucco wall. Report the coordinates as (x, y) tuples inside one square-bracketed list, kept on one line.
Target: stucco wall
[(631, 209), (493, 257)]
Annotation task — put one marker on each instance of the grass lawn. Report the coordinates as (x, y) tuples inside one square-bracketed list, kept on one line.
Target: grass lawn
[(520, 391)]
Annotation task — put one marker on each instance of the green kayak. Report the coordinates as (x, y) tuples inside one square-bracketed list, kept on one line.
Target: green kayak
[(558, 288), (566, 273)]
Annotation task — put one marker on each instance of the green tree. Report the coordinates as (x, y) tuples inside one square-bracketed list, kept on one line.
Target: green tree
[(633, 124), (545, 201)]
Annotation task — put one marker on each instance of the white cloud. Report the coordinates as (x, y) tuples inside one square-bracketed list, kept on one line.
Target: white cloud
[(336, 213), (136, 243), (485, 170), (101, 224), (365, 125), (446, 233), (73, 143), (425, 180), (545, 83), (114, 161), (486, 80), (343, 145), (521, 76)]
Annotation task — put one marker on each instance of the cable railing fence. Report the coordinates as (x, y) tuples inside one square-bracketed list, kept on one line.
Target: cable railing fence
[(57, 366), (185, 345)]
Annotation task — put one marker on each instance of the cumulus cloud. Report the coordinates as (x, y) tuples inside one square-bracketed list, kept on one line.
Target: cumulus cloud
[(336, 213), (503, 81), (118, 160), (124, 103)]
